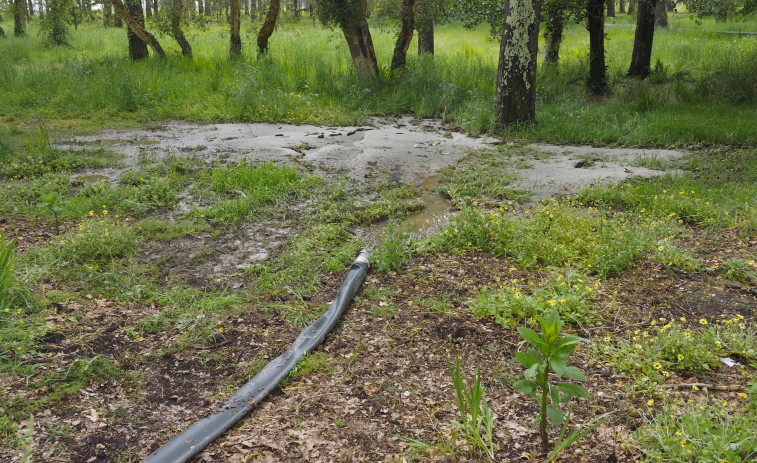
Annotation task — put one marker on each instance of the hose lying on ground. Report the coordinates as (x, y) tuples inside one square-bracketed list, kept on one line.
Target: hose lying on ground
[(195, 438)]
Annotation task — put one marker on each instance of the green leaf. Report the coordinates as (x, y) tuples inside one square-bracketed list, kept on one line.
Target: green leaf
[(555, 393), (533, 338), (558, 365), (567, 341), (525, 386), (531, 371), (574, 373), (554, 414), (573, 390), (528, 359)]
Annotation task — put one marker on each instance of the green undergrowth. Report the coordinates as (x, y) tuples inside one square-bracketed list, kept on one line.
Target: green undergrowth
[(706, 429), (717, 188), (558, 233), (516, 301), (665, 347), (484, 177), (701, 88)]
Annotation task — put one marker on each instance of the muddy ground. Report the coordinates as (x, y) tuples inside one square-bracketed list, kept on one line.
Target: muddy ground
[(382, 383)]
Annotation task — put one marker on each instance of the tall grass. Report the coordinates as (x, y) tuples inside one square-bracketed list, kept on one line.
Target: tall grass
[(703, 89)]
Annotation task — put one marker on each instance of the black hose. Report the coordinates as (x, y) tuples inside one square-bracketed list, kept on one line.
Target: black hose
[(195, 438)]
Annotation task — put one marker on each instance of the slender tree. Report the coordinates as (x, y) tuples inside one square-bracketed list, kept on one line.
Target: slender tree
[(553, 31), (610, 8), (425, 25), (148, 9), (235, 45), (516, 74), (176, 31), (595, 21), (622, 4), (642, 43), (134, 18), (41, 9), (399, 58), (661, 14), (19, 18), (351, 17), (107, 13), (269, 24)]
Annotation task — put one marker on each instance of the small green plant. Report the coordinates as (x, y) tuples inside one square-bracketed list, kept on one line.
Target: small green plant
[(476, 418), (549, 354), (738, 270), (7, 258), (50, 206), (394, 250), (96, 241)]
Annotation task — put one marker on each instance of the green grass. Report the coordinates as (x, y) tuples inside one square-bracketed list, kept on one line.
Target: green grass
[(702, 90)]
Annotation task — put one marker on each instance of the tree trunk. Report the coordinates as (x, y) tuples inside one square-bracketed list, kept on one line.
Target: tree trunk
[(642, 42), (553, 29), (661, 14), (30, 9), (235, 45), (358, 37), (632, 6), (425, 25), (516, 74), (266, 30), (399, 58), (622, 4), (41, 9), (597, 83), (176, 31), (107, 14), (246, 7), (19, 18), (200, 8), (610, 8), (137, 30), (208, 8), (148, 9)]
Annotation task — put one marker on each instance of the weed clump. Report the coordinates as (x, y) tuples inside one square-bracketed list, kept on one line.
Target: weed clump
[(96, 241)]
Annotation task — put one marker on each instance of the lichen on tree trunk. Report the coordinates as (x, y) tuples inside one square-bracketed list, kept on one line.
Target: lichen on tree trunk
[(266, 30), (642, 44), (425, 25), (235, 45), (19, 18), (516, 74), (358, 37), (399, 58), (553, 30)]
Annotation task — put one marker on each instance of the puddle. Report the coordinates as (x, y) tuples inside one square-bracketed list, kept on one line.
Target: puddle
[(435, 208), (107, 141), (96, 178)]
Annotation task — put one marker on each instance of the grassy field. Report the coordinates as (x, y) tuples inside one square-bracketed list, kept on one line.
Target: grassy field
[(702, 89), (132, 305)]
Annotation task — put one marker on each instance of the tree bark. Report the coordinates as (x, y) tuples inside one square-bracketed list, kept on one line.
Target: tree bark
[(632, 6), (622, 4), (358, 37), (553, 31), (107, 13), (136, 27), (176, 31), (661, 14), (266, 30), (516, 74), (41, 9), (235, 45), (610, 8), (208, 8), (148, 9), (399, 58), (597, 83), (425, 25), (642, 43), (19, 18), (30, 10)]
